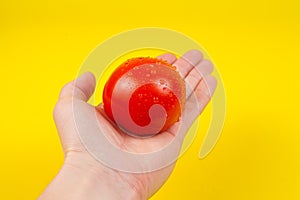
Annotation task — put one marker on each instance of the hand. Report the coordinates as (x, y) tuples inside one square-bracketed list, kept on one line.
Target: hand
[(83, 177)]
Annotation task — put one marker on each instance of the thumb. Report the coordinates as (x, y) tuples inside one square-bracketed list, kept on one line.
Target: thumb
[(81, 88)]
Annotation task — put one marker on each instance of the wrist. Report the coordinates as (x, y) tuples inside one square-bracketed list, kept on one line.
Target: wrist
[(75, 181)]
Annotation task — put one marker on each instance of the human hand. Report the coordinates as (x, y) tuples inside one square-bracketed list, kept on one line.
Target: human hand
[(82, 176)]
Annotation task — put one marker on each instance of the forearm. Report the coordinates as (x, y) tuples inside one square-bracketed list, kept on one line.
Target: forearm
[(76, 184)]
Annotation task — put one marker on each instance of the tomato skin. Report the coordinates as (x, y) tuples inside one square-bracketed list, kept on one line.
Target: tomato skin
[(138, 84), (119, 72), (147, 95)]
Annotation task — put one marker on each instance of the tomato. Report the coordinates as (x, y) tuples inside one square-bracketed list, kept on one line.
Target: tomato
[(144, 96)]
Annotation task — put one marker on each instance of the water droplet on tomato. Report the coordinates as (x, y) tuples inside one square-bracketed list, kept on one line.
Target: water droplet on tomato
[(153, 71), (162, 82)]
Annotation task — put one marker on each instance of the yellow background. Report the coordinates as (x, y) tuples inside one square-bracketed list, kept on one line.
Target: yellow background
[(255, 45)]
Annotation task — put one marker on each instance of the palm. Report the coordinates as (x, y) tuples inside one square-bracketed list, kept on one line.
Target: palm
[(195, 72)]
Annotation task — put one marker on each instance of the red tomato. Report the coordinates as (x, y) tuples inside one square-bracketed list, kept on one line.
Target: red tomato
[(135, 89)]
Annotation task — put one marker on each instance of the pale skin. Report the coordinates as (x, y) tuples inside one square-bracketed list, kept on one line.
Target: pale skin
[(83, 177)]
